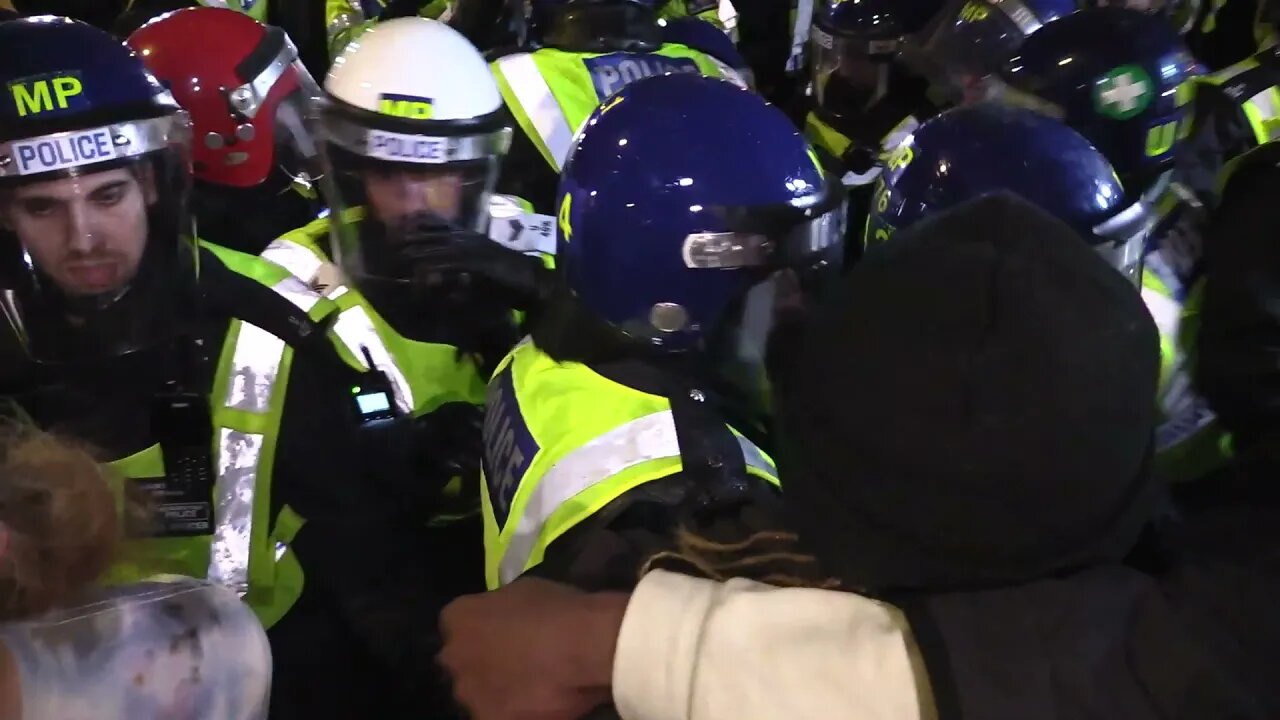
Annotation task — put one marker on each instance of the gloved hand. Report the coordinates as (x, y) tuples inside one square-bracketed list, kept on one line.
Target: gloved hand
[(522, 280)]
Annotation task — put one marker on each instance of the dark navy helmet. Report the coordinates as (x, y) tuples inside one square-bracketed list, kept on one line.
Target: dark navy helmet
[(680, 195), (1181, 14), (95, 248), (855, 40), (594, 25), (986, 148), (973, 38), (1120, 78)]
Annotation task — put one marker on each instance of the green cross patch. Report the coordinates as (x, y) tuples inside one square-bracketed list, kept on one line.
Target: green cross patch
[(1123, 92)]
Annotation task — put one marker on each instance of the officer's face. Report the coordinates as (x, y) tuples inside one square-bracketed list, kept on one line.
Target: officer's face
[(395, 193), (87, 233)]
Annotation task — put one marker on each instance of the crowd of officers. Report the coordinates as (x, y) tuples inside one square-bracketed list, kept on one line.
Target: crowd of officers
[(503, 293)]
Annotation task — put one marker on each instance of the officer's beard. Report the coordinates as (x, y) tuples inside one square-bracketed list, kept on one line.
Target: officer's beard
[(848, 97), (428, 305)]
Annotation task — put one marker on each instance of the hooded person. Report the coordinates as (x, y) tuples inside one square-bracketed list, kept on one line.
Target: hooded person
[(976, 460)]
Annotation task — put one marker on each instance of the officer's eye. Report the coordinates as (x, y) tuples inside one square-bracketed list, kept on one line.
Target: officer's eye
[(108, 196), (37, 207)]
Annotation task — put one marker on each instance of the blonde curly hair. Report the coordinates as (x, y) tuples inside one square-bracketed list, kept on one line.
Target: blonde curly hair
[(59, 526)]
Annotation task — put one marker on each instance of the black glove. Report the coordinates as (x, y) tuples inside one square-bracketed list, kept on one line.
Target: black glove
[(400, 8), (523, 281)]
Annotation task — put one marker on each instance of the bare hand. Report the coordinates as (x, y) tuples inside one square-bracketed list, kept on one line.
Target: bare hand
[(533, 650)]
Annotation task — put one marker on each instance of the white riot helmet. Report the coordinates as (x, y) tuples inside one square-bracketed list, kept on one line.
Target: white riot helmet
[(412, 130)]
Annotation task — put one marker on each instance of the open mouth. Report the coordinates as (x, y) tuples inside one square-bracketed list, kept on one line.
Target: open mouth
[(94, 277)]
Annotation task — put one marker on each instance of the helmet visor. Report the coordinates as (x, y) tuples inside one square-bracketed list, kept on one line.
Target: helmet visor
[(850, 72), (96, 253), (396, 195)]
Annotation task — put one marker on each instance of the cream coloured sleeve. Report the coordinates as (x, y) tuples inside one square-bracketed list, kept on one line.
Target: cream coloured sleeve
[(693, 649)]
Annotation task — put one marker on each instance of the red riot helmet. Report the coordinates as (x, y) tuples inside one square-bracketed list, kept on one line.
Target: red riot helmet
[(244, 87)]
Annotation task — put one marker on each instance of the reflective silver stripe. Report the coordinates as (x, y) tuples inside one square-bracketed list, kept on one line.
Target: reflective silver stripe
[(341, 23), (249, 97), (119, 141), (297, 292), (255, 363), (239, 455), (800, 35), (425, 149), (257, 356), (291, 256), (728, 16), (1165, 311), (626, 446), (1022, 17), (355, 328), (729, 73), (1266, 105), (539, 104)]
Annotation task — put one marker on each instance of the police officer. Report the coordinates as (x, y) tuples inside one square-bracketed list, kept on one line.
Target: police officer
[(1122, 79), (587, 50), (247, 94), (629, 409), (411, 160), (1228, 31), (203, 374), (972, 39), (865, 102), (1117, 77), (989, 147), (1236, 110)]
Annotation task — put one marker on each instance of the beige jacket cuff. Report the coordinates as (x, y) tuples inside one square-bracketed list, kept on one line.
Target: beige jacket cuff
[(693, 649)]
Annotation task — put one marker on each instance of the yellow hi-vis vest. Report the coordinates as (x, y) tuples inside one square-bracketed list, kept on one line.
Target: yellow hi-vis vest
[(551, 93), (562, 442), (248, 551), (423, 375)]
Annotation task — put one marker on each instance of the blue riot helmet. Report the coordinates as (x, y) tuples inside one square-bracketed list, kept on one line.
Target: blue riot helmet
[(594, 25), (854, 44), (1181, 14), (1119, 77), (681, 247), (973, 38), (96, 253), (984, 148)]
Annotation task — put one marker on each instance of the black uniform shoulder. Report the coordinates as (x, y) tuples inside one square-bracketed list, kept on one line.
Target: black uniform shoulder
[(1239, 339)]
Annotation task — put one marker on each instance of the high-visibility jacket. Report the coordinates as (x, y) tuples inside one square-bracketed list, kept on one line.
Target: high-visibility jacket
[(561, 443)]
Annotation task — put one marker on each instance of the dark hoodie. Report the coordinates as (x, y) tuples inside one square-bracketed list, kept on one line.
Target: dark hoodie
[(965, 434)]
